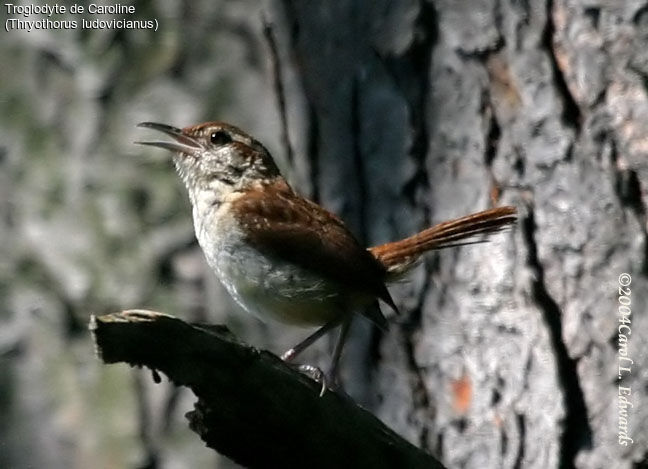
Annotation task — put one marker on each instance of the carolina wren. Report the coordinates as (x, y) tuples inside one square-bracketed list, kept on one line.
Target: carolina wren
[(282, 256)]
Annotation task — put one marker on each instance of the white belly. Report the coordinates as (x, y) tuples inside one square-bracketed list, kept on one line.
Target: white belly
[(271, 288)]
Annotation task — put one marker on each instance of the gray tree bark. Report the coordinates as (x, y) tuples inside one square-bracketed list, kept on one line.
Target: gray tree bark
[(508, 354)]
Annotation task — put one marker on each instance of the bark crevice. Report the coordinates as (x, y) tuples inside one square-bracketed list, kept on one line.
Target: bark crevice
[(577, 432)]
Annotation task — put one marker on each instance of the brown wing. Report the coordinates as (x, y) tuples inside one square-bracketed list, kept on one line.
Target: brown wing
[(299, 231)]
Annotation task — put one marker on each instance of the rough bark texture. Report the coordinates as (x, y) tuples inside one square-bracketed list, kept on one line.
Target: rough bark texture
[(421, 111), (400, 113)]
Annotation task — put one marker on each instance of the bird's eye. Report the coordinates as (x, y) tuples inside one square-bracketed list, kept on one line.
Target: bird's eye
[(220, 137)]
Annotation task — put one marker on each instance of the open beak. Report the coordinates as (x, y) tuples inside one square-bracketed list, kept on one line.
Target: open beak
[(183, 143)]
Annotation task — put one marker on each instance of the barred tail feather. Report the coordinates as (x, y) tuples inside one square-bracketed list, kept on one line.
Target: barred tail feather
[(397, 257)]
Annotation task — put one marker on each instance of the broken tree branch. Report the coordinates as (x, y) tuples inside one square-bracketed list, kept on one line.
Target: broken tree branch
[(251, 406)]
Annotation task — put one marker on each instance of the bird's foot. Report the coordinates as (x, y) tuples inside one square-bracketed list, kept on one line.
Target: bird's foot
[(329, 380), (316, 375)]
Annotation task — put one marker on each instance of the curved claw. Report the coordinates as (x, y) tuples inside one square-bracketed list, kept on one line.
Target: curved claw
[(313, 373)]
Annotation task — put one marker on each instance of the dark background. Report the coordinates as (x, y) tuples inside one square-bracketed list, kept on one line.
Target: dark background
[(399, 114)]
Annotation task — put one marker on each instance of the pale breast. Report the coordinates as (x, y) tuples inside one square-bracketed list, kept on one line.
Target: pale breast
[(264, 286)]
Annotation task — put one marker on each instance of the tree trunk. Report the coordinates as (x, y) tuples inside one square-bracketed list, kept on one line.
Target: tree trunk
[(507, 354)]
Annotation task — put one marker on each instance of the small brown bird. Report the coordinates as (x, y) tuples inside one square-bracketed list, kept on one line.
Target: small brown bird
[(282, 256)]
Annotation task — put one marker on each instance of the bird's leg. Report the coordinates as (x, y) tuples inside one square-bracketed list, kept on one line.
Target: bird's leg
[(289, 355), (334, 372), (312, 371)]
